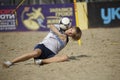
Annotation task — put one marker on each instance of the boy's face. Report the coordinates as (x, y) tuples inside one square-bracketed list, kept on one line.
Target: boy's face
[(70, 32)]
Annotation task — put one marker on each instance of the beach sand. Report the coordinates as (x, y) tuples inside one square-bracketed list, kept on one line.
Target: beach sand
[(97, 58)]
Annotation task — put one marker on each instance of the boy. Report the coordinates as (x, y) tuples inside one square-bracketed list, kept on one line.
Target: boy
[(46, 50)]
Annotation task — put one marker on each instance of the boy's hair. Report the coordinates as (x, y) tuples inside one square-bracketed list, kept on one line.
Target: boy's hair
[(78, 34)]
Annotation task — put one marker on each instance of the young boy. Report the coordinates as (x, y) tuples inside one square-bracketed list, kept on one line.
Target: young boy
[(45, 52)]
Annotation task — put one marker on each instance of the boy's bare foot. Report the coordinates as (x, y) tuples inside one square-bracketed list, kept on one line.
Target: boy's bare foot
[(38, 61), (7, 64)]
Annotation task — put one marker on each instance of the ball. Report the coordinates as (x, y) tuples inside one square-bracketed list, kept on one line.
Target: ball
[(65, 23)]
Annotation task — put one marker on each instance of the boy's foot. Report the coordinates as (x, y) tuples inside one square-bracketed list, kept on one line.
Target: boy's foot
[(38, 61), (7, 64)]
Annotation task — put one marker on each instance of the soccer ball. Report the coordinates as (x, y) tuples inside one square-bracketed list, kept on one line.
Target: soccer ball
[(65, 23)]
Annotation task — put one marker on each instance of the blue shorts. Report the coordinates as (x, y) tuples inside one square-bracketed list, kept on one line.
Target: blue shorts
[(46, 53)]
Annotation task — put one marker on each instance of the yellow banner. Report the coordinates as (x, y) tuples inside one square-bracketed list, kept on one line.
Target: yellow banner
[(82, 18)]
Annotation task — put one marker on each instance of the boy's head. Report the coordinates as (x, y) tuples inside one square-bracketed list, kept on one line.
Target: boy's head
[(74, 32)]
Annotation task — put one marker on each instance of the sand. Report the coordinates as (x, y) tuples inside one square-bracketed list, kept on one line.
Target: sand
[(98, 58)]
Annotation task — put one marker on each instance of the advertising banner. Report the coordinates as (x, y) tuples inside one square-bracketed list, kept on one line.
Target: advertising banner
[(7, 19), (104, 14), (34, 17)]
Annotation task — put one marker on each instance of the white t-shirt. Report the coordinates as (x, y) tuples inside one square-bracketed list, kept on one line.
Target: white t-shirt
[(53, 42)]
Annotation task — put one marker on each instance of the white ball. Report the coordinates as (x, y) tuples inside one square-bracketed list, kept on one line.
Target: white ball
[(65, 23)]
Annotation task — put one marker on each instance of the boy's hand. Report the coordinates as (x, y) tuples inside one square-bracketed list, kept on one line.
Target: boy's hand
[(62, 37)]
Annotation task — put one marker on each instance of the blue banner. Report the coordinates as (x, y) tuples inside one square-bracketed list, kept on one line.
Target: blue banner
[(34, 17)]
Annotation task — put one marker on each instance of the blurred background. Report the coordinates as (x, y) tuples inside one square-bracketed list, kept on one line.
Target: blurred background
[(27, 2), (38, 14)]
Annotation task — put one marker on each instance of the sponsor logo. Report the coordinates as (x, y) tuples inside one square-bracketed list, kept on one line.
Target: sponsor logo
[(110, 14)]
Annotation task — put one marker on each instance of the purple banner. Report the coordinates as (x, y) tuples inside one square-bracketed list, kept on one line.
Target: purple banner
[(34, 17)]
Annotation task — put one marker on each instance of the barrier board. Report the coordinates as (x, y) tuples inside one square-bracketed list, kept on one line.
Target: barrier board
[(34, 17)]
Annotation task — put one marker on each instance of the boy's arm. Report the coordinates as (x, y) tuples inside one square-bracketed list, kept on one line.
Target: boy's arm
[(54, 29)]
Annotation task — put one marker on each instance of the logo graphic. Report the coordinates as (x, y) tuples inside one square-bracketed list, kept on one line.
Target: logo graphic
[(34, 19), (110, 14)]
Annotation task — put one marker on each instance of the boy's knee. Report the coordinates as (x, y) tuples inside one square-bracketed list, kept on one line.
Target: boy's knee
[(65, 58), (37, 52)]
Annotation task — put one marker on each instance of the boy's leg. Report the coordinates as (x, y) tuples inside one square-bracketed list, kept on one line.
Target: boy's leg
[(55, 59), (24, 57), (27, 56)]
